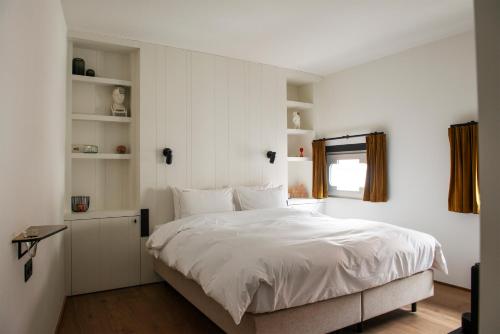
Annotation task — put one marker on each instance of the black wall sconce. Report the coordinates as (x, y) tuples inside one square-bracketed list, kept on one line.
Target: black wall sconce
[(271, 155), (167, 153)]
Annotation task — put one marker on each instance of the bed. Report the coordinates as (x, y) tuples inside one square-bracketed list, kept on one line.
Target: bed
[(283, 270)]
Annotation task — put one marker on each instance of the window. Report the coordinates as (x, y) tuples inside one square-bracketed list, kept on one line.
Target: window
[(346, 170)]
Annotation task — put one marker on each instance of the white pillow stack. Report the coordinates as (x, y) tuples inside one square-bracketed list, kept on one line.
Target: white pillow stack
[(188, 202), (251, 198)]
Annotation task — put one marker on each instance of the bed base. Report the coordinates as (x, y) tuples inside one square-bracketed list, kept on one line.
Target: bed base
[(320, 317)]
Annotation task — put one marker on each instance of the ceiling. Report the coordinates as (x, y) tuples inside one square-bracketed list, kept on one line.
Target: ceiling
[(315, 36)]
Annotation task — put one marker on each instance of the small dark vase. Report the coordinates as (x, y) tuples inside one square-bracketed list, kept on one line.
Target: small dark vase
[(90, 73), (78, 66)]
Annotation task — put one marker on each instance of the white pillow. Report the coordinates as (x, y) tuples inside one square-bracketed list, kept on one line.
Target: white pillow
[(251, 199), (237, 204), (192, 201)]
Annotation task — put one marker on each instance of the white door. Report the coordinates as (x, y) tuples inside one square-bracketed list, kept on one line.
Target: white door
[(85, 256)]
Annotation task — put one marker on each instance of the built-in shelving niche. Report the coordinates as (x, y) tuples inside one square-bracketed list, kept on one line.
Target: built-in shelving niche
[(300, 97), (110, 179)]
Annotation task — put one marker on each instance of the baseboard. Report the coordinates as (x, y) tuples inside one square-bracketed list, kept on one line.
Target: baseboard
[(61, 314), (452, 286)]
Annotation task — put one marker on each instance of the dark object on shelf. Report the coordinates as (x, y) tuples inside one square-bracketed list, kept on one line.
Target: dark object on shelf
[(271, 156), (90, 73), (33, 235), (80, 203), (167, 153), (121, 149), (470, 319), (144, 222), (78, 66)]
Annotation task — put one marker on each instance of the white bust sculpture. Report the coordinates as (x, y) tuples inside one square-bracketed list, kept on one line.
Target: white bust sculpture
[(296, 119), (117, 108)]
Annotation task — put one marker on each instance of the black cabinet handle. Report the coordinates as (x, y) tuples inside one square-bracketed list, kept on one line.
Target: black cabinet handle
[(135, 221)]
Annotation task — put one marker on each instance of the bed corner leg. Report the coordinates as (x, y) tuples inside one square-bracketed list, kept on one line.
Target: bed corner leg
[(359, 327), (414, 307)]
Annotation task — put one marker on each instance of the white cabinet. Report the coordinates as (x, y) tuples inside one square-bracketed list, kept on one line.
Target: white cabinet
[(105, 254), (85, 256), (120, 246)]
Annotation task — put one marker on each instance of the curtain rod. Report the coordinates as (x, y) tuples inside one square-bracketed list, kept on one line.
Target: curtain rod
[(462, 124), (350, 136)]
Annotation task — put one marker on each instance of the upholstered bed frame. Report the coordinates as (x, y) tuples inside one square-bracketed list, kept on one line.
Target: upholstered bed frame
[(320, 317)]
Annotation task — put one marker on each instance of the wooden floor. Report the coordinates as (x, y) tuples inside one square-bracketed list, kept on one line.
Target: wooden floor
[(158, 308)]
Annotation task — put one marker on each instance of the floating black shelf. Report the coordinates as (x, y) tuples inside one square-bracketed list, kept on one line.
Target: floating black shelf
[(33, 235)]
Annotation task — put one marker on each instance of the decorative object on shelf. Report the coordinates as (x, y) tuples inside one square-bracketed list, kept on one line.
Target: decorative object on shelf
[(80, 203), (117, 108), (296, 120), (90, 149), (90, 73), (85, 149), (78, 67), (121, 149), (167, 153), (271, 156), (301, 152), (298, 191)]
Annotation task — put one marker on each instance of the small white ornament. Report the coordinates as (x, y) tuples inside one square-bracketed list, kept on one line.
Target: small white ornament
[(296, 120), (117, 108)]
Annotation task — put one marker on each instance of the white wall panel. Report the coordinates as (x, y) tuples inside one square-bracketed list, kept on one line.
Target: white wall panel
[(221, 123), (202, 120), (236, 112), (161, 131), (148, 147), (252, 153), (218, 115), (174, 131)]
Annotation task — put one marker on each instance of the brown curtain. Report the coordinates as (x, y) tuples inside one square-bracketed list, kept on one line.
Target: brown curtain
[(463, 195), (376, 171), (320, 185)]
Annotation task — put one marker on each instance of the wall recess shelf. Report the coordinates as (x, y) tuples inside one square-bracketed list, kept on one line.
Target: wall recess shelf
[(101, 81), (299, 105), (33, 235), (105, 156), (299, 132), (299, 159), (100, 118)]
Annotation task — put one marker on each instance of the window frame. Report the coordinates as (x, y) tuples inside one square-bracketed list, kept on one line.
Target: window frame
[(356, 150)]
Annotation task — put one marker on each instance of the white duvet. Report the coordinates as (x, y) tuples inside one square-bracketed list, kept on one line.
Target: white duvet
[(303, 257)]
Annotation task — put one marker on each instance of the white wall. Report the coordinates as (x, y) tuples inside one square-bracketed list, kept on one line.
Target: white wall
[(488, 61), (218, 115), (32, 127), (413, 96)]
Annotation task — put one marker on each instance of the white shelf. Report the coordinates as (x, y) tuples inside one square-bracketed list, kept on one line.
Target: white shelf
[(106, 156), (299, 159), (98, 214), (101, 81), (299, 105), (100, 118), (299, 132)]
